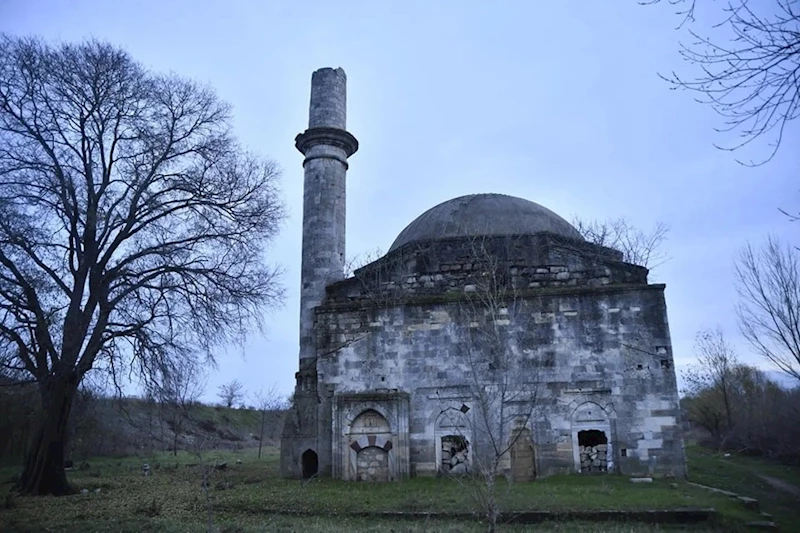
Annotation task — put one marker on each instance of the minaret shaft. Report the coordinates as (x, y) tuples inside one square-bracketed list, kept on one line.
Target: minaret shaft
[(326, 146)]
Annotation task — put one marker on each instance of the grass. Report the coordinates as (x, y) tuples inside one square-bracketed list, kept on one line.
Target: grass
[(249, 496), (316, 524), (740, 475)]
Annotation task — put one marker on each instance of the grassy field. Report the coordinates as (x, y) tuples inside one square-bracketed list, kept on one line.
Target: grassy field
[(249, 496), (750, 476)]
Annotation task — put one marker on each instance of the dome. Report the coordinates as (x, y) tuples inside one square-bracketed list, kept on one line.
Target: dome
[(484, 214)]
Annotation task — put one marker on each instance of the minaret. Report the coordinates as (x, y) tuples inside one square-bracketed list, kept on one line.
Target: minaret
[(326, 145)]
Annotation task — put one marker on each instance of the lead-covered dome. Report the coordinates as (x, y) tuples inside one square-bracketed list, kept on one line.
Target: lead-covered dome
[(484, 214)]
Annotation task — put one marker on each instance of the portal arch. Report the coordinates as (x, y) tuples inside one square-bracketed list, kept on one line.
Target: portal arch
[(591, 438)]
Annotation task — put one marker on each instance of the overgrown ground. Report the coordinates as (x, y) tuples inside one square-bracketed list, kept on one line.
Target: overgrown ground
[(249, 496), (776, 486), (102, 426)]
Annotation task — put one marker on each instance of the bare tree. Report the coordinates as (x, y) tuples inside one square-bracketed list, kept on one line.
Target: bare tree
[(639, 247), (503, 388), (768, 283), (180, 385), (762, 416), (747, 71), (231, 393), (713, 377), (132, 226), (268, 401), (360, 260)]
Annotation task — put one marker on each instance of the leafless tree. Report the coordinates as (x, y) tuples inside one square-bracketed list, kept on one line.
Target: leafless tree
[(268, 401), (740, 408), (713, 375), (360, 260), (747, 71), (503, 389), (768, 283), (207, 469), (132, 226), (231, 393), (179, 387), (639, 247)]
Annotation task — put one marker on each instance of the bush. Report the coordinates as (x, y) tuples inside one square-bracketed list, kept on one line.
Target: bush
[(207, 425)]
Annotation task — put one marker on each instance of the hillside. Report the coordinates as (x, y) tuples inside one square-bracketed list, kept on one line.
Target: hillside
[(102, 426)]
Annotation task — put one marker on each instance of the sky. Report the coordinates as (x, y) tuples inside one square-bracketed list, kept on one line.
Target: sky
[(556, 102)]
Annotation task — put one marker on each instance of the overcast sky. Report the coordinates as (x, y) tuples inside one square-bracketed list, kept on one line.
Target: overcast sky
[(556, 102)]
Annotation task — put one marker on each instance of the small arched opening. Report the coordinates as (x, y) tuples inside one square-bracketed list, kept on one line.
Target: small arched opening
[(310, 464)]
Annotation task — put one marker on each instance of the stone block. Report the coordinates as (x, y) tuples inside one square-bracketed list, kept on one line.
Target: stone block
[(749, 503), (761, 525)]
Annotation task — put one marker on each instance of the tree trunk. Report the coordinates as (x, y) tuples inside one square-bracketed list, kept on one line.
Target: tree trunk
[(261, 436), (44, 464), (492, 508), (177, 428)]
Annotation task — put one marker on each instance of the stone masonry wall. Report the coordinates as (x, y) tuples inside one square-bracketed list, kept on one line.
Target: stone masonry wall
[(606, 345), (524, 261)]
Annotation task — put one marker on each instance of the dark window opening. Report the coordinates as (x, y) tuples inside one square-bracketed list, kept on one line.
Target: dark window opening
[(665, 363), (638, 367), (624, 452), (310, 464), (592, 437)]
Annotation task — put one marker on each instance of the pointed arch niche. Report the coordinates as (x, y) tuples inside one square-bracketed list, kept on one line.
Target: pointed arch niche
[(373, 443), (371, 447)]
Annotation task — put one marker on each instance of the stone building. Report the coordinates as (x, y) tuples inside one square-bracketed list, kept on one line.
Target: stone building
[(490, 329)]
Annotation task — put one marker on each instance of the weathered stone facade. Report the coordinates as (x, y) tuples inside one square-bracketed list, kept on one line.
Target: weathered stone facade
[(490, 320)]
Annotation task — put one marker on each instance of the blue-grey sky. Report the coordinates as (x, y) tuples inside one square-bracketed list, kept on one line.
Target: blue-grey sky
[(556, 102)]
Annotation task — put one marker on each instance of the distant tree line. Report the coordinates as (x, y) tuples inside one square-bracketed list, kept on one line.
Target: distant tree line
[(736, 407)]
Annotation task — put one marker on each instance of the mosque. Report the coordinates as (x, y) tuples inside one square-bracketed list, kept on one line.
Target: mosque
[(490, 330)]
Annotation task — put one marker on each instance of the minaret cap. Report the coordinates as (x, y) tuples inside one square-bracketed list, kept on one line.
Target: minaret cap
[(327, 118)]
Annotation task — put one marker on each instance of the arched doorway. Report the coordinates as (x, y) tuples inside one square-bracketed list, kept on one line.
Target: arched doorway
[(452, 440), (370, 443), (591, 439), (522, 457), (310, 463)]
